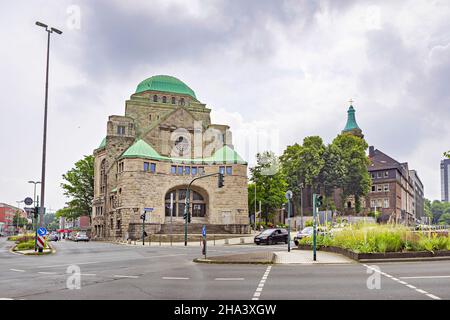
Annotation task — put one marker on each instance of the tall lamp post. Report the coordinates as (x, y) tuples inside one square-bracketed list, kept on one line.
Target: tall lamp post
[(34, 194), (49, 30)]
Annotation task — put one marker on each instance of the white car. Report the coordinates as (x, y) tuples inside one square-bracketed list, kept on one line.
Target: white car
[(81, 237)]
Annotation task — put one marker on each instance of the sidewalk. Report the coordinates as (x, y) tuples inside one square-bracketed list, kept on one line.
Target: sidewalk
[(239, 240), (306, 257)]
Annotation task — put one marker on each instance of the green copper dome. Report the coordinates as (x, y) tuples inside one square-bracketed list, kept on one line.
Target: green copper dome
[(165, 84), (351, 120)]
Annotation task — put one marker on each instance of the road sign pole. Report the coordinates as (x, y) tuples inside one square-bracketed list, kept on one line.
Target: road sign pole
[(289, 225), (143, 229), (314, 227)]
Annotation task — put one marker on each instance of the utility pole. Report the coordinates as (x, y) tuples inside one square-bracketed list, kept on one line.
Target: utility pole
[(289, 197), (301, 206), (49, 30)]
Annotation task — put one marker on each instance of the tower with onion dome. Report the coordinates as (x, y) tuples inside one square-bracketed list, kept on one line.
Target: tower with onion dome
[(351, 126)]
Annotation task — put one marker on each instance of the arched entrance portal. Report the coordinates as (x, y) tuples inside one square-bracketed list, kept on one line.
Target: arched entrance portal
[(197, 201)]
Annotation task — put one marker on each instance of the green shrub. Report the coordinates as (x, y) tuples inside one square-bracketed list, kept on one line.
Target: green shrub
[(25, 246)]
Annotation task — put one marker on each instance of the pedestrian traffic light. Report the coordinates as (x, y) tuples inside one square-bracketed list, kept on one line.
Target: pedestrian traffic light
[(220, 180), (319, 200)]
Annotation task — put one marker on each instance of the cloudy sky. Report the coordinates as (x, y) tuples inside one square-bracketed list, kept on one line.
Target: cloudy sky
[(276, 71)]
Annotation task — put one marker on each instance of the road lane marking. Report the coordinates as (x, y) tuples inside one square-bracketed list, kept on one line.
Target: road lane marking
[(87, 274), (425, 277), (17, 270), (47, 272), (432, 296), (174, 278), (107, 261), (123, 276), (229, 279), (260, 287)]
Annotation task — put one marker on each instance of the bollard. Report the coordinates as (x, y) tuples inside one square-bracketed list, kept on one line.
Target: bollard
[(160, 239), (242, 240), (226, 241)]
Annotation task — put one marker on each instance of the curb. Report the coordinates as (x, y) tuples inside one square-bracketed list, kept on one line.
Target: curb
[(208, 261), (53, 251)]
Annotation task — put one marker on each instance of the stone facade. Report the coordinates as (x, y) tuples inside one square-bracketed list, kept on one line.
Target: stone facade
[(165, 140)]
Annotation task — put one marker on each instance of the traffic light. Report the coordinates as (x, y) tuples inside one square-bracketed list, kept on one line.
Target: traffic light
[(188, 216), (143, 216), (319, 200), (36, 212), (220, 180)]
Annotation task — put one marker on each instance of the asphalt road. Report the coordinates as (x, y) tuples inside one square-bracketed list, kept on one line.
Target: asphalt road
[(113, 271)]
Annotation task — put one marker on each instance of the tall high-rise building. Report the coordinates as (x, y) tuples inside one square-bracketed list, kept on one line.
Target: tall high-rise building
[(445, 180)]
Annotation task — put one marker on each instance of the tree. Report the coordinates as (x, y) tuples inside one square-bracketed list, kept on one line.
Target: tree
[(447, 154), (352, 166), (18, 220), (79, 187), (445, 219), (270, 182)]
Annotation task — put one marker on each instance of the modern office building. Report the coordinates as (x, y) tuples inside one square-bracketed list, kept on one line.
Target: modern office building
[(445, 180)]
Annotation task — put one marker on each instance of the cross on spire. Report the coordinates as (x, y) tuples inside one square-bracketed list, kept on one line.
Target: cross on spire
[(351, 101)]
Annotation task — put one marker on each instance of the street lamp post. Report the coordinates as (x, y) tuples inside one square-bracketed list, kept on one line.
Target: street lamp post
[(301, 206), (289, 197), (34, 194), (49, 30)]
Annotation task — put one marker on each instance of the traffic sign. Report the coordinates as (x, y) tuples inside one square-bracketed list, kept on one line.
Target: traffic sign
[(42, 231), (40, 241), (28, 201), (204, 231), (148, 209)]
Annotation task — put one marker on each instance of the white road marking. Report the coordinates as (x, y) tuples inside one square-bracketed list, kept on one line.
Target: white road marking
[(107, 261), (122, 276), (260, 287), (229, 279), (432, 296), (174, 278), (425, 277), (17, 270), (47, 272), (87, 274), (6, 299)]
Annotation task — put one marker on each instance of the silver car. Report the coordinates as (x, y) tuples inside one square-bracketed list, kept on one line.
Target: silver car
[(81, 237)]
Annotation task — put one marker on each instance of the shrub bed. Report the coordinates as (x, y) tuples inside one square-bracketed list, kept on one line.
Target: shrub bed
[(364, 238)]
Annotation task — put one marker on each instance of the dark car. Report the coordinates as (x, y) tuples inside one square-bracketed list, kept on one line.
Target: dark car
[(271, 236)]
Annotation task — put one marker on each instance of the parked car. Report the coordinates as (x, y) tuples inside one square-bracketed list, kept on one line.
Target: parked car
[(308, 232), (53, 237), (81, 236), (272, 236)]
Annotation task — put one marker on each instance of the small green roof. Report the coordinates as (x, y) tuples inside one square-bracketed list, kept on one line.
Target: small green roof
[(141, 149), (227, 155), (102, 144), (165, 84), (351, 120)]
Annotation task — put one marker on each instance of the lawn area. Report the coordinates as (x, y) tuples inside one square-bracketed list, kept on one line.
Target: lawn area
[(373, 238)]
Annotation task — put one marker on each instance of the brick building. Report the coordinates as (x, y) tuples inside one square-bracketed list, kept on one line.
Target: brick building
[(149, 156), (7, 213)]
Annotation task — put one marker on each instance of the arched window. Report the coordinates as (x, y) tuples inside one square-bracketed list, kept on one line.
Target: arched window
[(164, 99), (150, 117), (173, 100), (182, 101), (197, 203), (349, 205), (155, 98)]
